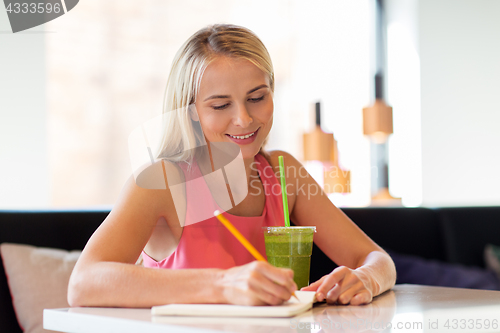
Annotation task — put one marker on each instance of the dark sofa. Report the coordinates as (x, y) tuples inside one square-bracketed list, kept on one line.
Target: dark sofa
[(453, 235)]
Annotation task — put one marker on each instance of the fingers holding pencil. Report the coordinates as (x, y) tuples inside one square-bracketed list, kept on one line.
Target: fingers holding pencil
[(276, 282), (257, 283)]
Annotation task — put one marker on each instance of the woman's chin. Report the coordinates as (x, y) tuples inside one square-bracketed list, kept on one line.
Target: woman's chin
[(249, 152)]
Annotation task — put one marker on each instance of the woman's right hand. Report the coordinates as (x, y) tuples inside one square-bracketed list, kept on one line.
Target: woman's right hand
[(257, 283)]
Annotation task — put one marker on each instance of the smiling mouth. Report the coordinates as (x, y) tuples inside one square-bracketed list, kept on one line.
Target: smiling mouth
[(241, 137)]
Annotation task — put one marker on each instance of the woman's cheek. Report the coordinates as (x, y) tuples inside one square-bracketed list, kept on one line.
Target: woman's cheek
[(269, 112), (264, 111), (211, 124), (215, 128)]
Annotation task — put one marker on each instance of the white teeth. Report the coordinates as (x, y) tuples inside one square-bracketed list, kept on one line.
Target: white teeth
[(242, 137)]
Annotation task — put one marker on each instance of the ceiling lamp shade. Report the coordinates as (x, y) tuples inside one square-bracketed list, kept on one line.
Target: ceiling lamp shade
[(377, 121), (321, 146), (318, 145)]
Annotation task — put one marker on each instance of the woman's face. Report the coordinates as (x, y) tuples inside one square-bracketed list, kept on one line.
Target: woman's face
[(235, 104)]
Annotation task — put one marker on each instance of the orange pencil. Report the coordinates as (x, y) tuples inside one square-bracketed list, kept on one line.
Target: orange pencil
[(241, 238)]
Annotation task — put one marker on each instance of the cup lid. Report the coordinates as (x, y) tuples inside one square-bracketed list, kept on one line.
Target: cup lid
[(291, 229)]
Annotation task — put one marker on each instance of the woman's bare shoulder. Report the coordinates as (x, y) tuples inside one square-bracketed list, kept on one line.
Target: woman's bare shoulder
[(158, 175), (131, 222), (147, 193), (288, 159)]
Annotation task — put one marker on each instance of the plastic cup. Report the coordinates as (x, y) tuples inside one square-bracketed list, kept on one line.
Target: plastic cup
[(291, 247)]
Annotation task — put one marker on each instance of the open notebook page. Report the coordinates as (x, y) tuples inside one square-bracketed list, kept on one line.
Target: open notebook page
[(287, 309)]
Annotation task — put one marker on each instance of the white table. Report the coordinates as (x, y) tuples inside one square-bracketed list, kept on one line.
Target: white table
[(407, 308)]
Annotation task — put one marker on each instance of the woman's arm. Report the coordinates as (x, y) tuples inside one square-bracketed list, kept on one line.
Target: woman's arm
[(365, 269), (105, 274)]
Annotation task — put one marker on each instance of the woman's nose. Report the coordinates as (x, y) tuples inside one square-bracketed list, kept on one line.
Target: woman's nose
[(242, 118)]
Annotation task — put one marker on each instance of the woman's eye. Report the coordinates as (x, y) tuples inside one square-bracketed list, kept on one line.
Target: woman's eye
[(254, 100), (220, 107)]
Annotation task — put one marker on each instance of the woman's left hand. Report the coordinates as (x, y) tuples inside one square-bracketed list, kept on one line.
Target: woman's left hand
[(343, 286)]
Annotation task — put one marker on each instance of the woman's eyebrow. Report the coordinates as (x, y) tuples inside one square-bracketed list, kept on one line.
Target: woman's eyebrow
[(216, 96), (228, 96), (257, 88)]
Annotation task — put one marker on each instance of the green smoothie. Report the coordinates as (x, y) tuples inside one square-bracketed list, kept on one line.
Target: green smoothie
[(291, 247)]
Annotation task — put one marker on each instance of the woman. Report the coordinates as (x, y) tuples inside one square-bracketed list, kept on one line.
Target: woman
[(221, 81)]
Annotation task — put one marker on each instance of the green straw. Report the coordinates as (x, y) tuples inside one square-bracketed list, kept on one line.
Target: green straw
[(283, 191)]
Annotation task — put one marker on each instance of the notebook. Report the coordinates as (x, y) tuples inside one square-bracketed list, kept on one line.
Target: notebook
[(287, 309)]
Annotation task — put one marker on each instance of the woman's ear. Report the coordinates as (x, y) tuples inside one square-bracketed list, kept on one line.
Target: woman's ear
[(193, 113)]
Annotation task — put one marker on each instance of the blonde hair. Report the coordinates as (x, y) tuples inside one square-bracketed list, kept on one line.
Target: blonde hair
[(179, 137)]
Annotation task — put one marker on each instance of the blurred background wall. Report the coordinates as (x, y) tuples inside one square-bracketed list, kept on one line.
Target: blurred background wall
[(24, 165), (460, 80), (72, 90)]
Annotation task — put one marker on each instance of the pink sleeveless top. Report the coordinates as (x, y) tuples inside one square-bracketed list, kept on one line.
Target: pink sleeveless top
[(208, 244)]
